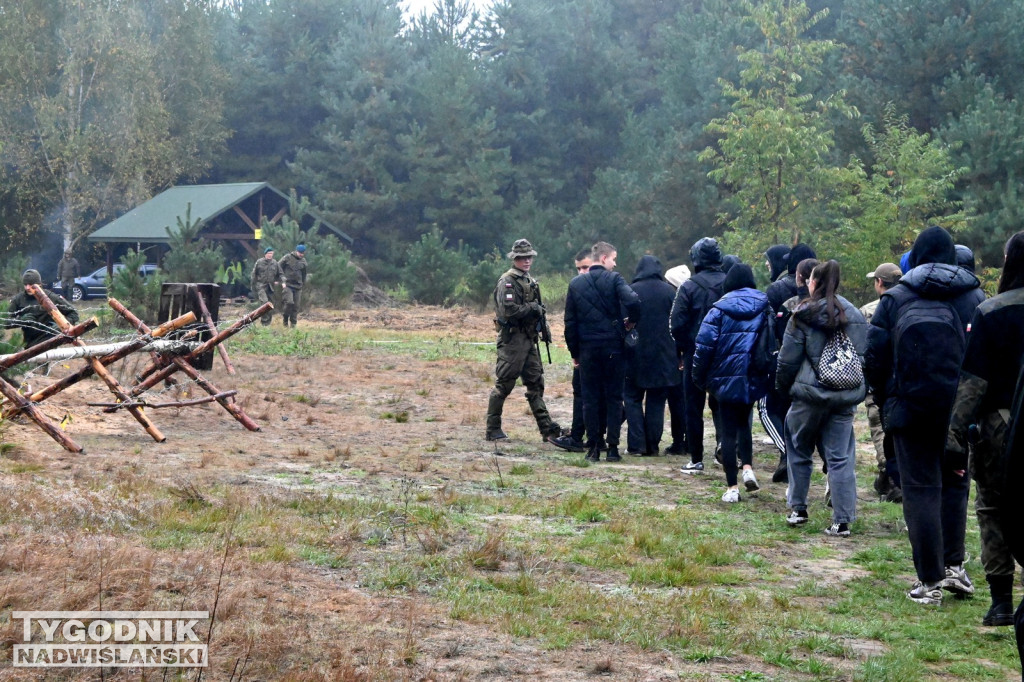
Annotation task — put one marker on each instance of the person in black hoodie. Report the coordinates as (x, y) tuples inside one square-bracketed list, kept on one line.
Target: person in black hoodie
[(915, 345), (594, 334), (694, 299), (988, 377), (772, 409), (652, 366)]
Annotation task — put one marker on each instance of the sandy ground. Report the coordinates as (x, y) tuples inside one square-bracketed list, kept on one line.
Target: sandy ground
[(320, 419)]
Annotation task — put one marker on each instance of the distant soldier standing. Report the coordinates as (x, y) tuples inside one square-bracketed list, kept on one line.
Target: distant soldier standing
[(293, 269), (266, 272), (520, 321), (67, 271)]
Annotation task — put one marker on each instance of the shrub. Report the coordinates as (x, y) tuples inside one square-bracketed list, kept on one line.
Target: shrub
[(10, 274), (140, 296), (477, 286), (189, 259), (433, 271)]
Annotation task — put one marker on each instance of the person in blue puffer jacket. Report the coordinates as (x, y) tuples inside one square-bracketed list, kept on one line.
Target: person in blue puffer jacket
[(726, 363)]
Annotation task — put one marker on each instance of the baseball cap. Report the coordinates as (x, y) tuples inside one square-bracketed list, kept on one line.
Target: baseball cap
[(887, 272)]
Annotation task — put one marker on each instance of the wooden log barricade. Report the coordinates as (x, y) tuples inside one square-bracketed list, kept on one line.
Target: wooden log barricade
[(165, 362), (182, 363)]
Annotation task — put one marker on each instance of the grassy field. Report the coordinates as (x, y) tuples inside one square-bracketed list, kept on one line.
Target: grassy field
[(369, 533)]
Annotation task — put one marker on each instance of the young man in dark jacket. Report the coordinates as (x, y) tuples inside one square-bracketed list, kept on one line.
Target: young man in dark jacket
[(914, 380), (652, 367), (694, 299), (594, 334)]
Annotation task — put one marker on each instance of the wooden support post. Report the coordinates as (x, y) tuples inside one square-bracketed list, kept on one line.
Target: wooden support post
[(36, 415), (97, 366), (182, 364), (131, 347), (213, 330)]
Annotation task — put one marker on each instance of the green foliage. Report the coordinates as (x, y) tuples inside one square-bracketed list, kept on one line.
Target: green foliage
[(13, 268), (477, 285), (141, 296), (773, 147), (332, 275), (191, 260), (433, 270)]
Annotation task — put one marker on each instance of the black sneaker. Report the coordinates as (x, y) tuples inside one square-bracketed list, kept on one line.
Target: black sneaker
[(593, 455), (613, 455), (781, 474), (566, 443), (676, 449), (841, 530), (635, 452), (496, 435)]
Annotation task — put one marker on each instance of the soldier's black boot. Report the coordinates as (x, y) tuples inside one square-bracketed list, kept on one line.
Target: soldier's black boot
[(1001, 611), (495, 404), (593, 454), (613, 454)]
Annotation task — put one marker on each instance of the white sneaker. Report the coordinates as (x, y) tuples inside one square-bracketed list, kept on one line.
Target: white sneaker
[(957, 581), (749, 481), (731, 495)]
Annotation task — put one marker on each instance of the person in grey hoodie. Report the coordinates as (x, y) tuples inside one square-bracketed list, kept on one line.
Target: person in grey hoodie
[(818, 413)]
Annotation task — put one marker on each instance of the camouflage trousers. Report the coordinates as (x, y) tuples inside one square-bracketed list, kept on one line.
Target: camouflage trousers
[(875, 425), (518, 358), (987, 474), (290, 299), (265, 294)]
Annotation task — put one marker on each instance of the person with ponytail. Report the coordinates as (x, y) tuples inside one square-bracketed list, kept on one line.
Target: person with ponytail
[(822, 409), (988, 377)]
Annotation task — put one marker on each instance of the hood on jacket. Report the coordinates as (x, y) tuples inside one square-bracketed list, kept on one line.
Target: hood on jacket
[(729, 260), (705, 254), (814, 314), (649, 267), (940, 280), (905, 262), (798, 253), (933, 245), (778, 259), (742, 304), (964, 257), (740, 276)]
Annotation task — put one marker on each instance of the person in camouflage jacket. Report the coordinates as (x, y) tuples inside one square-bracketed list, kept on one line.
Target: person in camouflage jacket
[(293, 268), (988, 376), (67, 270), (266, 272), (25, 313), (520, 320)]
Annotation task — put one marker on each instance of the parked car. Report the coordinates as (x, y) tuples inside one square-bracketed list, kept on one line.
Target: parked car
[(95, 283)]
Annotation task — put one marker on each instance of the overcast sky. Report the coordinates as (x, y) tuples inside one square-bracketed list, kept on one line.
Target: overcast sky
[(413, 8)]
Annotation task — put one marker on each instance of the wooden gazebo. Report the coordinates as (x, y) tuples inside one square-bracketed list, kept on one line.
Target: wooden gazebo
[(231, 213)]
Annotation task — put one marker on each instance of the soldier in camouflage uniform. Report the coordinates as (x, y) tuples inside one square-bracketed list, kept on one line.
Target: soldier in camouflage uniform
[(67, 270), (266, 272), (24, 312), (885, 277), (520, 320), (293, 266), (981, 414)]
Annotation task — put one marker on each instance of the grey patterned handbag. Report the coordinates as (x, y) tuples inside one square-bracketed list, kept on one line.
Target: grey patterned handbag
[(839, 366)]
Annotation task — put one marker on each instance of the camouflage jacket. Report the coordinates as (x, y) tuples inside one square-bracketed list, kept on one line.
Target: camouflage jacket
[(868, 309), (517, 304), (266, 271), (294, 270), (67, 268), (24, 312)]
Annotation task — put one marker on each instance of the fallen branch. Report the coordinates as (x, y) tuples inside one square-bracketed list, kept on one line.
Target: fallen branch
[(156, 406)]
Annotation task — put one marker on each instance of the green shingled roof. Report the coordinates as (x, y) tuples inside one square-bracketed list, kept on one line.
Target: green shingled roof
[(148, 222)]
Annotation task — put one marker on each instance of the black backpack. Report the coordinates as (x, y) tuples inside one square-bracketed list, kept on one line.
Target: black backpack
[(766, 347), (928, 343)]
